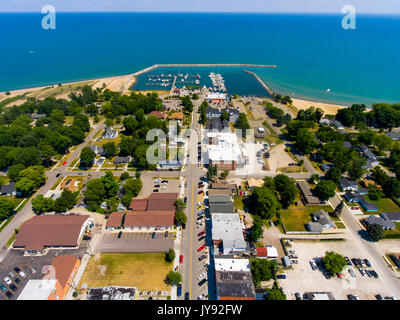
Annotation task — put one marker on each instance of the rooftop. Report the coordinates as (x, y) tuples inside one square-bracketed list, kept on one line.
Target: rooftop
[(37, 290), (232, 265), (115, 219), (112, 293), (149, 218)]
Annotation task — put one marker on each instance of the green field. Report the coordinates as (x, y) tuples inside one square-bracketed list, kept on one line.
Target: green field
[(392, 234), (385, 205)]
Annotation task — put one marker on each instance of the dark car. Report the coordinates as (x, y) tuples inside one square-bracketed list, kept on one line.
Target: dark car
[(201, 233), (369, 273), (87, 237), (119, 234), (17, 270), (201, 238), (366, 261), (327, 275), (202, 282), (9, 294), (13, 287), (185, 199), (281, 276), (157, 186), (202, 257), (378, 297), (166, 234), (186, 295), (355, 262), (155, 190), (347, 260), (153, 235), (374, 274), (164, 181), (17, 281), (58, 174), (179, 291)]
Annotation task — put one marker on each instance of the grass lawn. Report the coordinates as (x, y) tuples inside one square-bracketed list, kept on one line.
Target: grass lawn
[(14, 200), (340, 225), (392, 234), (4, 180), (385, 205), (238, 202), (54, 186), (146, 271), (295, 218)]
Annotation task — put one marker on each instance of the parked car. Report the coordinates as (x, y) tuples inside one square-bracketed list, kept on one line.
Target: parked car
[(352, 273), (313, 265), (17, 281), (348, 260), (366, 261), (166, 234), (153, 235), (378, 297), (369, 274), (202, 296), (201, 276), (201, 192), (119, 234), (186, 295), (3, 287), (155, 190), (202, 282), (58, 174), (294, 261), (281, 276), (374, 274), (13, 287), (179, 290), (201, 238), (297, 295), (7, 280), (181, 258), (362, 271), (352, 297), (201, 233), (200, 249), (11, 275), (202, 257), (8, 294)]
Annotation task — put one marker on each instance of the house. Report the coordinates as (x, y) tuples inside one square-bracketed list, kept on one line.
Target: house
[(347, 185), (393, 135), (323, 219), (367, 183), (367, 206), (122, 160), (393, 216), (97, 149), (267, 252), (353, 197), (221, 186), (326, 166), (154, 220), (381, 220), (227, 233), (217, 125), (103, 205), (314, 227), (338, 125), (177, 115), (347, 144), (65, 268), (363, 191), (222, 208), (36, 116), (9, 189), (42, 290), (219, 198), (307, 196), (51, 231), (325, 121), (110, 134), (234, 280), (114, 220)]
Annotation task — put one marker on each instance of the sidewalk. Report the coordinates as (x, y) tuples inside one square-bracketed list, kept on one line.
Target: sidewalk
[(177, 244)]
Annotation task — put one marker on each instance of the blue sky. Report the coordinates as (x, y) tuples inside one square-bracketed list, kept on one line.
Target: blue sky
[(311, 6)]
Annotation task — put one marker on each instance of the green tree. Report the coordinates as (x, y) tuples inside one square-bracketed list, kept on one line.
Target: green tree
[(170, 255), (174, 278), (325, 189), (109, 122), (224, 116), (262, 270), (25, 186), (356, 169), (110, 185), (256, 230), (180, 218), (133, 187), (275, 294), (334, 174), (124, 176), (6, 208), (375, 231), (66, 201), (306, 140), (95, 193), (87, 158), (40, 204), (334, 262), (14, 171), (287, 189), (82, 121), (242, 124), (110, 149), (264, 202)]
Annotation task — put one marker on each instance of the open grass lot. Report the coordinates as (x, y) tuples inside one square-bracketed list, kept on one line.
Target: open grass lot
[(238, 202), (392, 234), (146, 271), (385, 205), (14, 200), (296, 218)]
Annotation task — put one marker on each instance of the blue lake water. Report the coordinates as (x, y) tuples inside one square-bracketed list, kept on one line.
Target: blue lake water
[(313, 53)]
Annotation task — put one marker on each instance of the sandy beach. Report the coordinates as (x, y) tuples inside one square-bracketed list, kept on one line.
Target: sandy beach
[(327, 107)]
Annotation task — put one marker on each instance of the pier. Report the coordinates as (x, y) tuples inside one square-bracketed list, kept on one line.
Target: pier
[(270, 92)]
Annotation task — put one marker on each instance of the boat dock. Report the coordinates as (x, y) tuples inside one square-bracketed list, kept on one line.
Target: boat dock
[(270, 92)]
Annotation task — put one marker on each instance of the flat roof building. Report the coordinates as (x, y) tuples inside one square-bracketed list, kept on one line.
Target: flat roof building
[(42, 290), (227, 232)]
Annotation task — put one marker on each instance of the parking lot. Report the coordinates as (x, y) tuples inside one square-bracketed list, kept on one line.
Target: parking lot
[(303, 279), (137, 242), (15, 258), (150, 184)]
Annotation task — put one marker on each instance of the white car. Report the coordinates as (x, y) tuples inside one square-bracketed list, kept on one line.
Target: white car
[(7, 280), (22, 274), (201, 276), (202, 296)]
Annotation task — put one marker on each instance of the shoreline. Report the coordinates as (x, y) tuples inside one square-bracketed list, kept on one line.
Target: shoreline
[(328, 108)]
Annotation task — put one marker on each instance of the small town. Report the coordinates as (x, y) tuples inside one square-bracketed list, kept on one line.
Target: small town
[(242, 198)]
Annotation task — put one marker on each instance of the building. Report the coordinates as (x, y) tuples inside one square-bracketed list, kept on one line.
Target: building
[(234, 280), (267, 252), (96, 149), (381, 220), (326, 166), (325, 121), (314, 227), (69, 184), (217, 125), (320, 296), (216, 96), (393, 216), (177, 115), (42, 290), (220, 185), (138, 204), (150, 220), (36, 116), (169, 165), (63, 269), (393, 135), (110, 134), (307, 196), (224, 150), (51, 231), (9, 190), (122, 160), (162, 202), (367, 206), (227, 233), (114, 220), (353, 197), (113, 293), (323, 219), (219, 198), (215, 113), (348, 185), (158, 114), (226, 207), (219, 191), (337, 124)]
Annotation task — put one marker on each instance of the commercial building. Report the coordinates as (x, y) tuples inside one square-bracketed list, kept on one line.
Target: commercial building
[(51, 231), (227, 233), (114, 220), (320, 296), (150, 220), (113, 293), (63, 269), (226, 207), (219, 198), (267, 252), (42, 290)]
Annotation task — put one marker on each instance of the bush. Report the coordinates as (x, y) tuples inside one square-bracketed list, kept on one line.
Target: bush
[(170, 255)]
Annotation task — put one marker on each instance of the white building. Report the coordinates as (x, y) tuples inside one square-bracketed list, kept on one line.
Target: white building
[(242, 265)]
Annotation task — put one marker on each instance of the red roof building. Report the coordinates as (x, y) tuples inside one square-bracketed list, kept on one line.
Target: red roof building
[(149, 219), (138, 204), (115, 220)]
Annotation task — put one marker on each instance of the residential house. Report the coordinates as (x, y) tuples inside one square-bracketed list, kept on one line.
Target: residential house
[(158, 114), (393, 135), (338, 125), (110, 134), (393, 216), (122, 160), (307, 196), (323, 219), (381, 220), (97, 149), (325, 121), (314, 227), (69, 184), (9, 189), (348, 185)]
